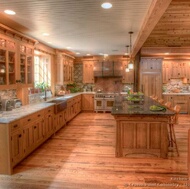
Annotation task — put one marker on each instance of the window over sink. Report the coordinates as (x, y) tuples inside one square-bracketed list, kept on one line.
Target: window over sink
[(42, 68)]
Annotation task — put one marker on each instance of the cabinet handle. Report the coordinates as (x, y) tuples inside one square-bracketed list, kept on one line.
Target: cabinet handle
[(20, 136), (29, 119), (39, 115), (34, 127), (15, 126)]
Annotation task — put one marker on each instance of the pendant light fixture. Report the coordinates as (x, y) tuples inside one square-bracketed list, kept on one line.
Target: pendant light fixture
[(127, 53), (130, 65)]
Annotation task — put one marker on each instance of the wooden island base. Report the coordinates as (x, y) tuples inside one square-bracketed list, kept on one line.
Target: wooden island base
[(141, 135)]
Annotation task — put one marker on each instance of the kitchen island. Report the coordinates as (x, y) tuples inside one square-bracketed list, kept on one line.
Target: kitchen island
[(140, 131)]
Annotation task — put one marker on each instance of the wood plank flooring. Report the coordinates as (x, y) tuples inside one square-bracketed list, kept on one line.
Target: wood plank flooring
[(82, 156)]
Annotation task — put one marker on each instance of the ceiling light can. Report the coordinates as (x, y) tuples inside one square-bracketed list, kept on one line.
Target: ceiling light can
[(106, 5), (10, 12)]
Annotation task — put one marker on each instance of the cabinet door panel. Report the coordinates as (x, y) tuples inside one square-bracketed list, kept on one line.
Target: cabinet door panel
[(151, 84), (16, 146)]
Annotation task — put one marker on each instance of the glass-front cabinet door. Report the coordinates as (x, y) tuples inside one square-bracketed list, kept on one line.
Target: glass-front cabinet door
[(26, 65), (7, 63)]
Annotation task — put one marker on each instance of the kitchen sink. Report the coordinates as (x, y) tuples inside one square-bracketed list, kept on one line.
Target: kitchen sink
[(59, 106)]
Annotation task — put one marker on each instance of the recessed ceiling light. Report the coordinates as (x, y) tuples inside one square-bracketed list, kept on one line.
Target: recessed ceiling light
[(45, 34), (106, 5), (69, 48), (50, 42), (101, 54), (10, 12), (105, 55), (77, 53), (126, 53), (88, 54)]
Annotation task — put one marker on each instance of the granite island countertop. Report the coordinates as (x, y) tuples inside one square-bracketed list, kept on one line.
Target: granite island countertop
[(122, 107)]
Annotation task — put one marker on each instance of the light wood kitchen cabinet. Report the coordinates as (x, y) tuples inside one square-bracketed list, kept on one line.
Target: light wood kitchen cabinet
[(73, 107), (151, 76), (188, 72), (151, 65), (128, 77), (88, 71), (59, 69), (182, 101), (88, 102), (26, 59), (68, 69), (16, 142), (33, 131), (49, 122), (175, 69), (169, 98), (178, 69), (8, 69), (64, 69), (19, 138), (151, 84), (59, 120), (166, 71)]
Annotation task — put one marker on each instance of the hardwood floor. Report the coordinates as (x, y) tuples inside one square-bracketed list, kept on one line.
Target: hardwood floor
[(82, 156)]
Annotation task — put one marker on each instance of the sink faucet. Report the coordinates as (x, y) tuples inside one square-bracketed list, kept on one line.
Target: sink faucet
[(45, 94)]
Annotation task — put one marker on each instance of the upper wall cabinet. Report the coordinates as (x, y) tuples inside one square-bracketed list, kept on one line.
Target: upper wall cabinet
[(128, 77), (7, 63), (166, 71), (88, 71), (151, 65), (68, 70), (65, 69), (175, 69), (26, 59)]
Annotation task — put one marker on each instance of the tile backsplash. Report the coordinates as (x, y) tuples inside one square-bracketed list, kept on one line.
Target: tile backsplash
[(175, 85), (8, 94)]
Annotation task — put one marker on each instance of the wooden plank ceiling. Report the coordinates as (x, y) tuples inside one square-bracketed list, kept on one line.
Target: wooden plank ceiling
[(173, 29)]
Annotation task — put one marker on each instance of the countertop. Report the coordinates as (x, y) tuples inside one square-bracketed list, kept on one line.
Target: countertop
[(186, 93), (18, 113), (121, 107)]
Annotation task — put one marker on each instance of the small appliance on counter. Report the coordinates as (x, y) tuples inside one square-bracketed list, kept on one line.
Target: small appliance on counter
[(6, 105), (16, 103)]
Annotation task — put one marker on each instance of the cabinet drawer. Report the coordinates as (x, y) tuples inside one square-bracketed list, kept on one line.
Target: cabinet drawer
[(33, 117), (14, 126), (49, 110), (183, 104)]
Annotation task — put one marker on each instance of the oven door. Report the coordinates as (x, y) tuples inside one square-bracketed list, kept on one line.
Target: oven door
[(98, 104), (109, 104)]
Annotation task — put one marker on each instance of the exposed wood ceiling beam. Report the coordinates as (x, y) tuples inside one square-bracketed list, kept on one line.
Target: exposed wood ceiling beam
[(155, 12)]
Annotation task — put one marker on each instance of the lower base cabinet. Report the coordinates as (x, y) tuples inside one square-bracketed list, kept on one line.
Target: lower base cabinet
[(19, 138), (88, 102), (182, 100)]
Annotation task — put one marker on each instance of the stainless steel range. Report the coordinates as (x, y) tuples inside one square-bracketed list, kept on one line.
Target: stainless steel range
[(104, 101)]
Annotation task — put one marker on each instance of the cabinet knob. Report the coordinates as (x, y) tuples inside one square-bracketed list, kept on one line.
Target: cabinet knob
[(15, 126), (20, 136), (35, 127), (29, 119)]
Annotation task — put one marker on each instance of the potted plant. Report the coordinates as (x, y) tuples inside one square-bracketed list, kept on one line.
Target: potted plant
[(42, 86)]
